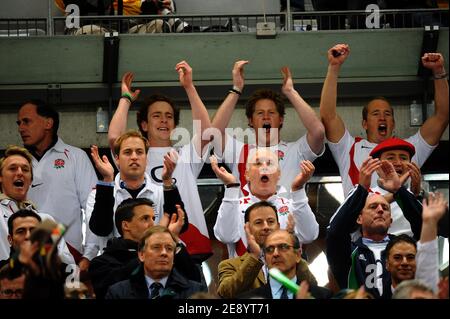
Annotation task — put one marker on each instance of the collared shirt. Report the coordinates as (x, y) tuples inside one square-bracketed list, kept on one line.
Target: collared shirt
[(150, 281), (62, 180), (277, 288)]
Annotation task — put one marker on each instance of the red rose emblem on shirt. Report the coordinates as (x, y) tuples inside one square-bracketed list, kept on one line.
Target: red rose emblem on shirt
[(280, 155), (59, 163), (283, 210)]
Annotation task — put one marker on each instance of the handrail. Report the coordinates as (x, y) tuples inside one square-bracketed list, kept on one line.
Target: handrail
[(314, 20)]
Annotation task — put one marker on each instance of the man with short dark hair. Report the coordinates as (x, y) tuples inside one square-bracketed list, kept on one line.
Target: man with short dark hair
[(406, 260), (401, 258), (63, 175), (20, 226), (243, 273), (11, 283), (156, 276)]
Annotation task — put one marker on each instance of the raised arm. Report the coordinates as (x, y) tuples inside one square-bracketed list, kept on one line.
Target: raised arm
[(427, 248), (305, 225), (334, 126), (223, 115), (226, 228), (118, 123), (316, 131), (101, 209), (338, 239), (432, 213), (172, 197), (199, 112), (434, 126)]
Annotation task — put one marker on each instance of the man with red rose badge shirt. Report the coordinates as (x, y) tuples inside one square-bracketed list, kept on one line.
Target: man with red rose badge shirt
[(63, 176)]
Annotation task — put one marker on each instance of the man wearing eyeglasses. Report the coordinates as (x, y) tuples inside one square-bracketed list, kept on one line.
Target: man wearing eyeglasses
[(282, 251), (11, 284)]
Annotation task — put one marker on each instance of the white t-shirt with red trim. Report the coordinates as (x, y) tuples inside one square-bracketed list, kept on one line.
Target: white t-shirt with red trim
[(185, 175), (229, 227), (289, 156)]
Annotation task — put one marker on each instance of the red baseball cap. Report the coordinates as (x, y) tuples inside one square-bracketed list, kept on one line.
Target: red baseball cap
[(393, 143)]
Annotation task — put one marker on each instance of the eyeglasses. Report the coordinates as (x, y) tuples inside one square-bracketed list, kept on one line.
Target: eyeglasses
[(280, 247), (10, 292)]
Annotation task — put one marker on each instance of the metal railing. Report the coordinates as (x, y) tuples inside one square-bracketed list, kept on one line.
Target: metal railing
[(167, 23), (23, 27), (344, 20), (291, 21)]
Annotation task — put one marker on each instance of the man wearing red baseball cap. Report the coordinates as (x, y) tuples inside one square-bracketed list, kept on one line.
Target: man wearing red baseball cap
[(400, 152)]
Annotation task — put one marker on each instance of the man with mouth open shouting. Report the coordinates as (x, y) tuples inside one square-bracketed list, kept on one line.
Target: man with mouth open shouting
[(378, 120), (16, 176), (262, 175), (265, 112)]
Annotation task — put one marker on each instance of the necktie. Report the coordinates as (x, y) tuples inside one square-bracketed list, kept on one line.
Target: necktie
[(284, 294), (154, 290)]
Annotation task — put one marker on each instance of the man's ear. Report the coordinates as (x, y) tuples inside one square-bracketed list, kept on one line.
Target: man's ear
[(388, 265), (116, 159), (10, 240), (49, 123), (359, 220), (298, 256), (246, 175), (141, 256), (144, 126), (364, 125), (124, 226)]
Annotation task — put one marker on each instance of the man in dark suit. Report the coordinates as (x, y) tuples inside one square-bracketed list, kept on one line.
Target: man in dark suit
[(282, 251), (156, 277), (120, 257)]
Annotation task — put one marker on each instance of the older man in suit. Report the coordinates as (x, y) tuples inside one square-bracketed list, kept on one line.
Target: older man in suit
[(282, 250)]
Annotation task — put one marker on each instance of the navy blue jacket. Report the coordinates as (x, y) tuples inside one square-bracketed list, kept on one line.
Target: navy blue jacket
[(177, 287), (353, 262)]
